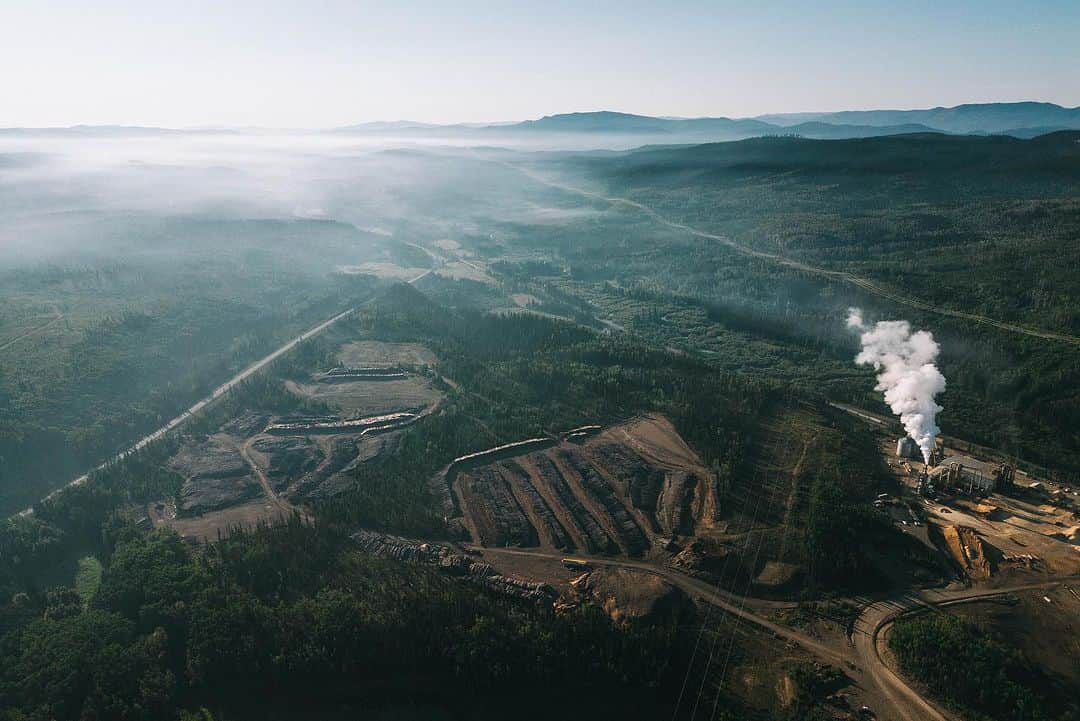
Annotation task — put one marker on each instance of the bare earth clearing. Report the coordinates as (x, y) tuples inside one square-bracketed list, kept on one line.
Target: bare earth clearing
[(363, 398), (243, 474), (209, 527), (378, 353)]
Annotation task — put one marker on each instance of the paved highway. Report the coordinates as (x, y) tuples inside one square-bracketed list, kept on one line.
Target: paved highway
[(214, 395), (863, 283)]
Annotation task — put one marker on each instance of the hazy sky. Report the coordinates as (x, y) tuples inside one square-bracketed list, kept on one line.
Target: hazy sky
[(334, 62)]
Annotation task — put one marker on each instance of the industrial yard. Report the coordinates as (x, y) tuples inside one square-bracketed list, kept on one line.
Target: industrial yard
[(627, 517), (996, 524), (261, 466)]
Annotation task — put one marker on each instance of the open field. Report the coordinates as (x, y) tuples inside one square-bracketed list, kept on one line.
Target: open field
[(386, 271), (356, 398), (465, 270), (368, 353), (363, 398), (211, 526)]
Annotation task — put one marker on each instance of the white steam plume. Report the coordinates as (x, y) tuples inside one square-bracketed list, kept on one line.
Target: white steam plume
[(906, 373)]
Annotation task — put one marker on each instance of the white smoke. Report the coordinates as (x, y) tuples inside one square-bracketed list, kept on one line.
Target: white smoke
[(906, 373)]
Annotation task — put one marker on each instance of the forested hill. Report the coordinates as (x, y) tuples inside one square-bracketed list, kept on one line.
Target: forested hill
[(967, 118), (934, 224), (980, 161), (979, 224)]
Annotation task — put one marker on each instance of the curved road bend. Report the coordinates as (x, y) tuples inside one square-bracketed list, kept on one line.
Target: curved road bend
[(214, 395), (697, 588), (868, 638), (860, 282), (864, 654)]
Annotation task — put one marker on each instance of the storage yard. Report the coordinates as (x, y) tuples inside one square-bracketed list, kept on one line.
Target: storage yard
[(257, 466), (996, 524), (625, 490)]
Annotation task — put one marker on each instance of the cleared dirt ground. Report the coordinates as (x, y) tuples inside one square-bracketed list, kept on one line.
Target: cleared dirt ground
[(1015, 552), (374, 397), (464, 270), (368, 398), (382, 270), (244, 475), (210, 526), (367, 353), (215, 474), (524, 300), (1021, 534)]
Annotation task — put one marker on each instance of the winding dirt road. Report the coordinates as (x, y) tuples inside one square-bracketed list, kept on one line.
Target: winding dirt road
[(843, 276), (868, 637), (862, 657), (696, 588), (260, 475)]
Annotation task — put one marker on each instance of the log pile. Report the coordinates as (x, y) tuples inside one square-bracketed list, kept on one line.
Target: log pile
[(453, 563)]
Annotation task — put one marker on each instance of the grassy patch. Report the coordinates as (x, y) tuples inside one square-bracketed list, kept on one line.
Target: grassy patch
[(87, 578)]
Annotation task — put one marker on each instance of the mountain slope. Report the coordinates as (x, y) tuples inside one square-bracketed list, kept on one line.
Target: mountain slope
[(970, 118)]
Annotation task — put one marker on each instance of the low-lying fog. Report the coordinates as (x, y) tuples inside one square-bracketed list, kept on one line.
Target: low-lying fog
[(50, 185)]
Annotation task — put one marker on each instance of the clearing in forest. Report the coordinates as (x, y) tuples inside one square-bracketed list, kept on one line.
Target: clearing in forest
[(623, 491)]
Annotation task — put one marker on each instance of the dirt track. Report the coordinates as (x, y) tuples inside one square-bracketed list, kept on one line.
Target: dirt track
[(863, 283), (862, 656), (869, 636), (245, 451), (44, 326)]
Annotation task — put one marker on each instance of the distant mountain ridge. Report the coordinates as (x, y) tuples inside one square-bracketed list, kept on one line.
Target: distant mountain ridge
[(968, 118), (980, 118), (606, 121), (606, 128)]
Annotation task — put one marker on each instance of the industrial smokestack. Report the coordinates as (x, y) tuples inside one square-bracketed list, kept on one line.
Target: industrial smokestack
[(906, 373)]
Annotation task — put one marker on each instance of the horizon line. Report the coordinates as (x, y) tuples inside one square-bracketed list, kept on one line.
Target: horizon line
[(213, 127)]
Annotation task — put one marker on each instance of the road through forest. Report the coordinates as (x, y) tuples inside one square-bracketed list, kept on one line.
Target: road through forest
[(214, 395), (57, 317), (860, 282), (217, 393)]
